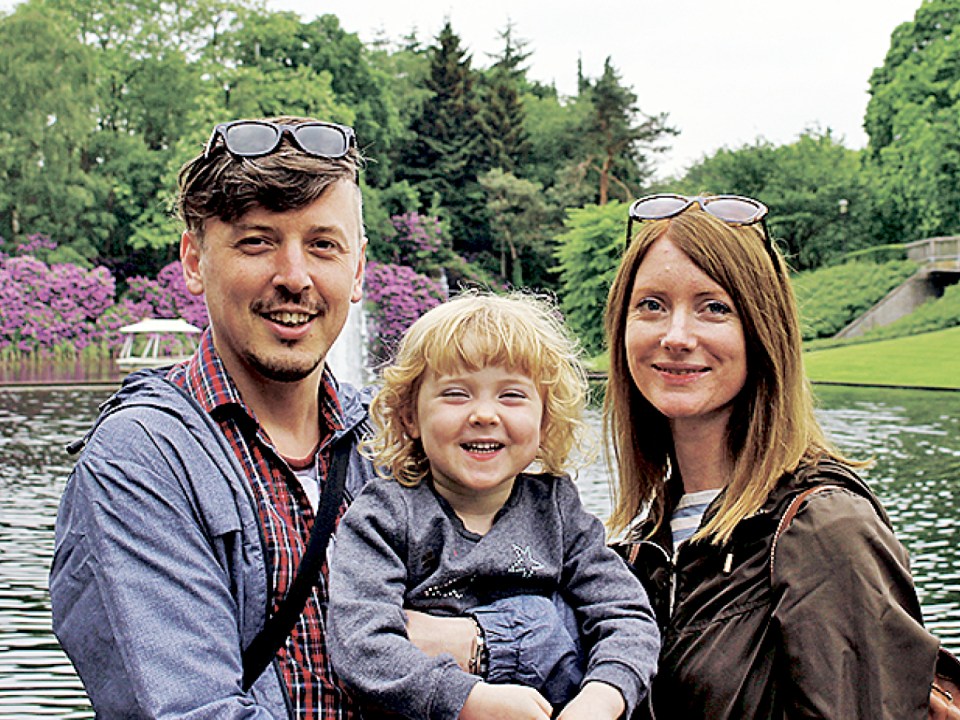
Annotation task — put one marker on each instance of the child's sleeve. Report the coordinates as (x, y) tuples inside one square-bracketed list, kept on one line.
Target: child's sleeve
[(617, 623), (366, 626)]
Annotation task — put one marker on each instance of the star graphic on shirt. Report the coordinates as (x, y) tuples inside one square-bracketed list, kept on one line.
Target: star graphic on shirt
[(525, 563)]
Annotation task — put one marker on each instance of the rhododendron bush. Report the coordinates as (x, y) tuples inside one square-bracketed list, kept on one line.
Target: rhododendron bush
[(60, 310)]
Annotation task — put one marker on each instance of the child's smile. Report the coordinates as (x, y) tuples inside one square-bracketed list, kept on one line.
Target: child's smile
[(479, 430)]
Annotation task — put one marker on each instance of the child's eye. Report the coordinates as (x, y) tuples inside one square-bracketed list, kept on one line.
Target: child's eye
[(514, 395), (453, 393)]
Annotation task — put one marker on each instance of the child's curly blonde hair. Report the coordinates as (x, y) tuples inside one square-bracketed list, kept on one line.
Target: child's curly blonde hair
[(519, 331)]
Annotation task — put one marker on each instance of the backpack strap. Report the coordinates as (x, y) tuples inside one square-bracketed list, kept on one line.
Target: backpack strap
[(261, 651), (792, 509)]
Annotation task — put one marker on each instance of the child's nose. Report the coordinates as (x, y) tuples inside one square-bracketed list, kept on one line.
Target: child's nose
[(484, 413)]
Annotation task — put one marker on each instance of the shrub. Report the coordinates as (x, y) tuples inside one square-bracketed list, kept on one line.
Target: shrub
[(168, 297), (396, 296), (51, 309), (833, 297)]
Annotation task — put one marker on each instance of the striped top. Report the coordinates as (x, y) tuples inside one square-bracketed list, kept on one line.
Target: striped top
[(688, 514)]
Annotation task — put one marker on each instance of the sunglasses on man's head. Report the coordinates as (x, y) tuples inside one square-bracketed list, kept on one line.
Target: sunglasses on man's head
[(734, 210), (256, 138)]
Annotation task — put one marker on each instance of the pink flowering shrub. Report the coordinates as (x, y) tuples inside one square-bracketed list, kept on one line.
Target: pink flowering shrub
[(396, 297), (168, 297), (418, 241), (50, 309), (62, 310)]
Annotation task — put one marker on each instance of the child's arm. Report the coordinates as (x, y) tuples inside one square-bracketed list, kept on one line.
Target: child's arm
[(496, 702), (617, 623), (437, 635), (366, 633), (595, 701)]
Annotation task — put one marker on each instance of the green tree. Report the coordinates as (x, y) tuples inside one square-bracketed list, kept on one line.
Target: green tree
[(913, 122), (45, 123), (587, 256), (622, 137), (322, 49), (502, 113), (517, 214), (802, 183), (444, 159)]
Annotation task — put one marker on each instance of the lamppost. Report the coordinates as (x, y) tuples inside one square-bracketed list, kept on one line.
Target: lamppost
[(843, 205)]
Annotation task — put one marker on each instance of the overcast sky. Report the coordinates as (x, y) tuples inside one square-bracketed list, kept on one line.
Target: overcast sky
[(725, 72)]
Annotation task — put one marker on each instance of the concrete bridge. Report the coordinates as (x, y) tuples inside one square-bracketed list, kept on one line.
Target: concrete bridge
[(939, 260)]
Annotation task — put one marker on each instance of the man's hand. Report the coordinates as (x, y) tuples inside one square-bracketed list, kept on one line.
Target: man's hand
[(940, 709), (505, 702), (595, 701), (437, 635)]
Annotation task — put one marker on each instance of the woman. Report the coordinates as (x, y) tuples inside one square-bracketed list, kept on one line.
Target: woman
[(713, 429)]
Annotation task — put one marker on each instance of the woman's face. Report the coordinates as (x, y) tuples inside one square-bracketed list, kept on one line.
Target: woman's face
[(684, 340)]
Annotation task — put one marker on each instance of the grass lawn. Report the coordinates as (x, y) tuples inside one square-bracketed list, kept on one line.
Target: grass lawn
[(927, 360)]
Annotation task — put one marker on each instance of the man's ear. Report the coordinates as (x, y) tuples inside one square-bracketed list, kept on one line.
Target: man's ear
[(357, 294), (190, 260)]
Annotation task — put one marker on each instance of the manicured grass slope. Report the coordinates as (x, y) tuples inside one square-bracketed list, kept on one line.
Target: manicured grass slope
[(926, 360)]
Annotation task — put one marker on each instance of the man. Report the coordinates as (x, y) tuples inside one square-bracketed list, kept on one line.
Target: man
[(187, 514), (185, 520)]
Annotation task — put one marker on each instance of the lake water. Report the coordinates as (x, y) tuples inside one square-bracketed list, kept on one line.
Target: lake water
[(914, 438)]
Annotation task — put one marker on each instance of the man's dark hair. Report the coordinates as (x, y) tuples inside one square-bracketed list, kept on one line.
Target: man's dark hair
[(226, 187)]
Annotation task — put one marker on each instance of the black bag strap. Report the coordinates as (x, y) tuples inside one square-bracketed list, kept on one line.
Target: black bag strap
[(261, 651)]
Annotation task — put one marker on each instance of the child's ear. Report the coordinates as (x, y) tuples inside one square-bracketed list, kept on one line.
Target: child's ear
[(409, 419)]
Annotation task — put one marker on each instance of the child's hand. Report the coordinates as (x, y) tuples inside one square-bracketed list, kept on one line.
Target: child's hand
[(595, 700), (505, 702)]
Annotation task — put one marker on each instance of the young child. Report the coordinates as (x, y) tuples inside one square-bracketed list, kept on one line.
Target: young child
[(483, 387)]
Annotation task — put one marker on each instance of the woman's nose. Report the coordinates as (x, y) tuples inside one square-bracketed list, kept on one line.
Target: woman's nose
[(679, 333)]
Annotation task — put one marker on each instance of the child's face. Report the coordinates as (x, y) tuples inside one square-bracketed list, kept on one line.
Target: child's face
[(479, 429)]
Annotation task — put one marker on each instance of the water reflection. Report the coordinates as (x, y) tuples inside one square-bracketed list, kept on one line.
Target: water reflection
[(36, 680), (913, 437)]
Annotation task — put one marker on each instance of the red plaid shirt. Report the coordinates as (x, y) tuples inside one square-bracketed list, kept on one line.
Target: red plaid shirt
[(286, 519)]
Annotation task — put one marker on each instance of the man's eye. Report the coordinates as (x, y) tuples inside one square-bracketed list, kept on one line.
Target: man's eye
[(252, 242), (323, 245)]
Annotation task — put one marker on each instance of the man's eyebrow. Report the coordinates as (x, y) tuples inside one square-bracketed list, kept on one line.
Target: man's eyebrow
[(315, 230)]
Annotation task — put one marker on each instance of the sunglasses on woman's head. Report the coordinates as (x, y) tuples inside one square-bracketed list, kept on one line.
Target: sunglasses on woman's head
[(256, 138), (734, 210)]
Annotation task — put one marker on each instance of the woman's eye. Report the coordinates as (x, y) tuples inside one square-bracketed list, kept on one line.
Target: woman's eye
[(715, 307), (650, 305)]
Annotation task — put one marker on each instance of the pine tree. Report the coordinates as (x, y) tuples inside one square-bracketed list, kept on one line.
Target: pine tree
[(506, 145), (445, 157), (622, 144)]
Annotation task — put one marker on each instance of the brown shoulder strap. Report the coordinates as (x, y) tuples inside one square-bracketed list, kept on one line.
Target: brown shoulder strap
[(792, 509)]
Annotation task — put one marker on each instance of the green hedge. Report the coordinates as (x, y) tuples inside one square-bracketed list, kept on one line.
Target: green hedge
[(831, 298)]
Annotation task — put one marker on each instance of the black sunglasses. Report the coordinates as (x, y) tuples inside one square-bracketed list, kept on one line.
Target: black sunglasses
[(256, 138), (734, 210)]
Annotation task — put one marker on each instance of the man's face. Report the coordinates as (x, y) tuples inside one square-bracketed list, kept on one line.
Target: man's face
[(278, 286)]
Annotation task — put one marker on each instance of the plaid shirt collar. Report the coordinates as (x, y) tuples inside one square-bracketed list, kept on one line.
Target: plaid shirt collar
[(206, 378)]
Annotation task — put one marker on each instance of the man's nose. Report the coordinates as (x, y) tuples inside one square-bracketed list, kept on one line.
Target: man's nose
[(291, 270)]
